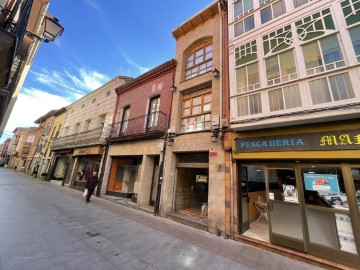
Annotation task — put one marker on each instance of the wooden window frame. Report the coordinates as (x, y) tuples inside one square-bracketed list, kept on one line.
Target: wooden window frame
[(203, 46)]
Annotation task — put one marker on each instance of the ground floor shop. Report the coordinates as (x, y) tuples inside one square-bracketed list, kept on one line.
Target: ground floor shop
[(87, 160), (300, 188), (132, 172), (61, 165), (194, 187)]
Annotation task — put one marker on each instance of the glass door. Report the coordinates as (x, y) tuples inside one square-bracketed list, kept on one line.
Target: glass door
[(329, 201), (284, 211)]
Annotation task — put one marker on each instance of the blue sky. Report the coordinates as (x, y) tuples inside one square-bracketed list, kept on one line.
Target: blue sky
[(102, 40)]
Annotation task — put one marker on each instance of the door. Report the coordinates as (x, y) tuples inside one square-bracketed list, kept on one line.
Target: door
[(284, 211), (243, 209), (153, 116), (117, 173), (154, 182)]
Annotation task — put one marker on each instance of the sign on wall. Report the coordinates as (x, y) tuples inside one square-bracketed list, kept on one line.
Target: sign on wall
[(321, 182), (330, 140)]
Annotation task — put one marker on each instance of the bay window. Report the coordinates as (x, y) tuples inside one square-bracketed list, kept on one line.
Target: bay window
[(285, 98), (249, 105), (280, 68), (242, 7), (272, 11), (355, 38)]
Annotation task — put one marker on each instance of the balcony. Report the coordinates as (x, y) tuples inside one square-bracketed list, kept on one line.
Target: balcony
[(92, 137), (147, 126)]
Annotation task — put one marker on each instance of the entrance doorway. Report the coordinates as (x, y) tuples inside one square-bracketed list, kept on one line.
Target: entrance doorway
[(154, 182), (192, 191)]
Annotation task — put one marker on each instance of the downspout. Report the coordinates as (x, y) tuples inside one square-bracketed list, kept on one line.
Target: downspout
[(231, 198), (221, 63)]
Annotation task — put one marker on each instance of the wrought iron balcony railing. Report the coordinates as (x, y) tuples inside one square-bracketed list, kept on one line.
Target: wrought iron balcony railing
[(151, 125), (90, 137)]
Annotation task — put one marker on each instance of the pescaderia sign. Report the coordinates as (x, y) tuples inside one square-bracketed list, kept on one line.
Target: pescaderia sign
[(330, 140)]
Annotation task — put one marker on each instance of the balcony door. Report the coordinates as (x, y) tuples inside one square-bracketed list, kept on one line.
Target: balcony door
[(153, 115), (125, 120)]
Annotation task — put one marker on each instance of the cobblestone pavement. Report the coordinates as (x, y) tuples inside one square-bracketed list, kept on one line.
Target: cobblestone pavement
[(44, 226)]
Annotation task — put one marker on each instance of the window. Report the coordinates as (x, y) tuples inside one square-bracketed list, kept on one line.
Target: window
[(94, 100), (87, 125), (82, 106), (244, 26), (351, 10), (66, 131), (272, 11), (322, 55), (355, 38), (125, 120), (247, 78), (241, 7), (249, 105), (298, 3), (107, 93), (102, 120), (285, 98), (196, 111), (76, 128), (333, 88), (153, 115), (199, 60), (30, 138), (280, 68)]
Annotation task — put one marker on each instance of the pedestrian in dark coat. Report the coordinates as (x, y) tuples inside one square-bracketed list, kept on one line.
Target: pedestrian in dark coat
[(91, 184)]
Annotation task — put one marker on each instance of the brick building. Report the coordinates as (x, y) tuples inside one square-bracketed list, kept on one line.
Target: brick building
[(136, 141)]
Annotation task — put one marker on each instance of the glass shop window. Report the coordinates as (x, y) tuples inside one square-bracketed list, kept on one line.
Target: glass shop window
[(282, 185), (324, 186), (356, 178)]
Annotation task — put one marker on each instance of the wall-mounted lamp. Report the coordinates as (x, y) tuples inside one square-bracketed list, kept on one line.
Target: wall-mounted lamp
[(173, 88), (216, 73), (171, 133), (52, 30), (215, 134)]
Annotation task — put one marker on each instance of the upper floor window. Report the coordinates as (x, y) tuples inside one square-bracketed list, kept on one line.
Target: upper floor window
[(241, 7), (351, 10), (333, 88), (272, 11), (76, 128), (322, 55), (244, 26), (94, 100), (196, 111), (280, 68), (199, 60), (355, 38), (249, 105), (285, 98), (107, 93), (153, 115), (30, 138), (86, 126), (101, 120), (125, 120), (66, 131), (298, 3)]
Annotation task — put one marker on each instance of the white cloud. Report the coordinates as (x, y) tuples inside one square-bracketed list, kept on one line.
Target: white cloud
[(89, 80), (32, 104), (94, 5), (133, 63)]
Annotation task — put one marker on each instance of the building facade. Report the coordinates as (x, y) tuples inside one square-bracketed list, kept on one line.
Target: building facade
[(136, 142), (3, 152), (22, 25), (194, 189), (80, 147), (294, 99)]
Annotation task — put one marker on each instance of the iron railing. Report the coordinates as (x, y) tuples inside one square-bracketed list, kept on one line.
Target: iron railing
[(91, 137), (149, 125)]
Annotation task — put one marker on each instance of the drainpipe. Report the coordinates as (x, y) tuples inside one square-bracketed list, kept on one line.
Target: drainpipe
[(221, 63)]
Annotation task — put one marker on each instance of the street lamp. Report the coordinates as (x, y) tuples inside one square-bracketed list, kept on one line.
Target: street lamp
[(52, 30)]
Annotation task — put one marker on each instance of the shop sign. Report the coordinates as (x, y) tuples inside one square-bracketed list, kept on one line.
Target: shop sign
[(88, 151), (330, 140), (201, 178), (321, 182)]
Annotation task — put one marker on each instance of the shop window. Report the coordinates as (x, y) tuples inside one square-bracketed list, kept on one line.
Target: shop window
[(196, 111), (324, 186), (285, 98), (125, 120), (272, 11), (244, 25), (280, 68), (153, 114), (333, 88), (199, 60), (249, 105), (282, 185), (323, 55), (355, 38), (356, 178), (242, 7), (298, 3), (351, 10)]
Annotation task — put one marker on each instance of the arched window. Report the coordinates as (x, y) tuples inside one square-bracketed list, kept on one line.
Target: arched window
[(199, 60)]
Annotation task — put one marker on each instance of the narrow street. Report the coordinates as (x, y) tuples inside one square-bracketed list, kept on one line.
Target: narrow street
[(44, 226)]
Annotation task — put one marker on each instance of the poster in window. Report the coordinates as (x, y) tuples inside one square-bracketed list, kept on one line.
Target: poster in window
[(323, 183)]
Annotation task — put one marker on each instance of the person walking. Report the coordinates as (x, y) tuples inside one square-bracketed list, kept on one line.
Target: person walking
[(91, 184)]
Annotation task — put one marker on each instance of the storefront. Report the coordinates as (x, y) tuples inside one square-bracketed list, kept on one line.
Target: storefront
[(87, 161), (300, 188), (61, 167)]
